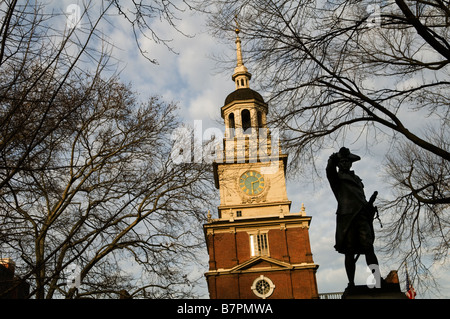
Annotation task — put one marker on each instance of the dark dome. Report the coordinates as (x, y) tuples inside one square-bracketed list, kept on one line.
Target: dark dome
[(243, 94)]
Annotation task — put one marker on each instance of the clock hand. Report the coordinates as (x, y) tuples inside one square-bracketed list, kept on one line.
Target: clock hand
[(252, 185)]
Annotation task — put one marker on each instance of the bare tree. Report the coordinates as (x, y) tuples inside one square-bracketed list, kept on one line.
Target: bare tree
[(86, 176), (106, 195), (42, 46), (374, 70)]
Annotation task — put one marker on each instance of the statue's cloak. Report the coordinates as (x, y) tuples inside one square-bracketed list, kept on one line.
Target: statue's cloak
[(354, 229)]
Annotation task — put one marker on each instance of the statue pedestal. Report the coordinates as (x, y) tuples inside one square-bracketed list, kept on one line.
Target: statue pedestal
[(387, 291), (390, 289)]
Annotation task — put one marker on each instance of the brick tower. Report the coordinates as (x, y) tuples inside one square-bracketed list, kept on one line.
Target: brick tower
[(257, 248)]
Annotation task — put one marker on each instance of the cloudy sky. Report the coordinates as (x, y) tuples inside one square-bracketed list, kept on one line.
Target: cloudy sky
[(192, 78)]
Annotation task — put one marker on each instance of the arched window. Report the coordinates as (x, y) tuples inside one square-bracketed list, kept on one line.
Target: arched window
[(231, 124), (246, 121), (260, 124)]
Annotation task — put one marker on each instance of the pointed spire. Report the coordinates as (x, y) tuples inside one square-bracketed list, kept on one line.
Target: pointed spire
[(238, 49), (241, 75)]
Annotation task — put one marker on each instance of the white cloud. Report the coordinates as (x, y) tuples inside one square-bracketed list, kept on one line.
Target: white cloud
[(205, 107)]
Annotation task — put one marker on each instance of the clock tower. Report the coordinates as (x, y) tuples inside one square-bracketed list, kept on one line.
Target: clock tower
[(257, 248)]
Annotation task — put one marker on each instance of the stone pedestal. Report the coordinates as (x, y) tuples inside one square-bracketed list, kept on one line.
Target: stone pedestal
[(390, 289), (387, 291)]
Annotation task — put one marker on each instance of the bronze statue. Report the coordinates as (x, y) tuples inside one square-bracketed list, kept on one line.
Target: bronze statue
[(354, 216)]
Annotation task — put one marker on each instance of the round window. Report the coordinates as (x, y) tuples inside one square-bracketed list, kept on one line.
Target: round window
[(263, 287)]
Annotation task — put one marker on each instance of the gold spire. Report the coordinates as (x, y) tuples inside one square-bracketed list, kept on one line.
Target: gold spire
[(241, 75), (238, 48)]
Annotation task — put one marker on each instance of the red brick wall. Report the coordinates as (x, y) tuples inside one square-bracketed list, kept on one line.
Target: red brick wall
[(291, 245), (298, 284)]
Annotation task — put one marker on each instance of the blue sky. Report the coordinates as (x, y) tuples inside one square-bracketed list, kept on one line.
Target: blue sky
[(194, 80)]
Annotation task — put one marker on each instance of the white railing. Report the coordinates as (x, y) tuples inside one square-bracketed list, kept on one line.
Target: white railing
[(331, 295)]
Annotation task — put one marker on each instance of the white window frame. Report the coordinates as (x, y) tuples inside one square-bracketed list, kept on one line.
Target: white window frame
[(268, 282), (259, 243)]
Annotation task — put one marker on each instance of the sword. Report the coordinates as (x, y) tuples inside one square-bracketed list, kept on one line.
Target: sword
[(374, 208)]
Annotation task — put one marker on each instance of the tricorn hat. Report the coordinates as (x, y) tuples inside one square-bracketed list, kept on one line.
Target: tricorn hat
[(345, 153)]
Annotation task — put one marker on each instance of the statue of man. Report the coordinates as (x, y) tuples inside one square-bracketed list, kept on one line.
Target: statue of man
[(354, 215)]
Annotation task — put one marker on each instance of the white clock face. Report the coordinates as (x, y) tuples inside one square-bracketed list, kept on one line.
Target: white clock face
[(251, 183)]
